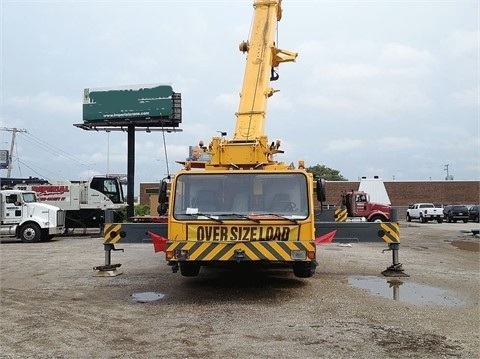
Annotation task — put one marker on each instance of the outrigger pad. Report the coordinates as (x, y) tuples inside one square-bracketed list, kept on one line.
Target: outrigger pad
[(395, 271), (107, 273), (107, 270)]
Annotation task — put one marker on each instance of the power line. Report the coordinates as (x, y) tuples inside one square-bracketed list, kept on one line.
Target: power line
[(30, 166), (55, 150)]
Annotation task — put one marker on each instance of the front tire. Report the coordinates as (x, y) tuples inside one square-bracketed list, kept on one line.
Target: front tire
[(189, 269), (303, 269), (377, 219), (409, 219), (30, 233)]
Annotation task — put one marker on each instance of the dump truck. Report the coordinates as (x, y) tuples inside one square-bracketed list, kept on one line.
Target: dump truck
[(234, 203), (24, 218)]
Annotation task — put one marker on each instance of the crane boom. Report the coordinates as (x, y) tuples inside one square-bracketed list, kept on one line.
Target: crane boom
[(262, 57), (249, 147)]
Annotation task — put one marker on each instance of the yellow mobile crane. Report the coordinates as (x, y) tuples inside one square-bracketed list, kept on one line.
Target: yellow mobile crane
[(241, 205)]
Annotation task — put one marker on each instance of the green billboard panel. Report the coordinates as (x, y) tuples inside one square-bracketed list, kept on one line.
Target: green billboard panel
[(148, 102)]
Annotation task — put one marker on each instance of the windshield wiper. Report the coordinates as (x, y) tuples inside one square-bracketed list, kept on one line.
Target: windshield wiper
[(283, 217), (264, 215), (241, 216), (209, 216)]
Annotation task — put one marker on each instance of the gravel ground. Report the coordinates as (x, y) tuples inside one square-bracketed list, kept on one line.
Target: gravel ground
[(52, 306)]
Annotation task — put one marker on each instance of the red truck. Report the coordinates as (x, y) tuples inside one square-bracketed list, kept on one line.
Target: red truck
[(357, 204)]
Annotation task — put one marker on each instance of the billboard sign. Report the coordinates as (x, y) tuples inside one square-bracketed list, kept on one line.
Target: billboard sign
[(130, 104)]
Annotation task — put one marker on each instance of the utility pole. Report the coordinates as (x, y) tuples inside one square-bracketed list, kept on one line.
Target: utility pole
[(446, 169), (14, 131)]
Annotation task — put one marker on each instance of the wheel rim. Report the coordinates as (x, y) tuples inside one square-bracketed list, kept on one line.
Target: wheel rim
[(29, 234)]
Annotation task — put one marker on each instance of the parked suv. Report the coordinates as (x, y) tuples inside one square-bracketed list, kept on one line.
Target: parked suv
[(473, 212), (454, 213)]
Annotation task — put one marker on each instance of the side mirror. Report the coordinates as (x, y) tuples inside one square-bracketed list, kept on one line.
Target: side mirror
[(321, 190), (162, 198), (162, 209)]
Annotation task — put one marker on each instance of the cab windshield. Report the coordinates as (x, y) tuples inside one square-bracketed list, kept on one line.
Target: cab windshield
[(29, 197), (231, 196)]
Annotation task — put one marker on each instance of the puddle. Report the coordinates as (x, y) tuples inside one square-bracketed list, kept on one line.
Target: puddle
[(147, 297), (396, 289), (473, 246)]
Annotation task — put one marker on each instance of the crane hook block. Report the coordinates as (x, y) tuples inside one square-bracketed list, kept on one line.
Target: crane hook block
[(274, 75)]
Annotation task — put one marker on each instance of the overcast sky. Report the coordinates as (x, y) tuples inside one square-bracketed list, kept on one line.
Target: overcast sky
[(387, 88)]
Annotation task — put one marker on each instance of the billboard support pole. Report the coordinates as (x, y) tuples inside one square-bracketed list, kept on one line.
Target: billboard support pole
[(131, 171)]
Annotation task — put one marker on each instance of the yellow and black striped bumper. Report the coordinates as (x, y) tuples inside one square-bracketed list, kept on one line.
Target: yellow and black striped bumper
[(112, 233), (250, 251), (390, 232), (340, 215)]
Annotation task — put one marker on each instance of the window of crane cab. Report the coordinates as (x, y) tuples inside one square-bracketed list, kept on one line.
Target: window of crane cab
[(109, 187), (240, 193)]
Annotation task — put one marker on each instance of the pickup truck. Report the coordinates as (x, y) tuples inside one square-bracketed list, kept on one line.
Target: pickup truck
[(424, 212)]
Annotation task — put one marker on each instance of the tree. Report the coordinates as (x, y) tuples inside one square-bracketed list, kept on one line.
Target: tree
[(326, 173), (142, 210)]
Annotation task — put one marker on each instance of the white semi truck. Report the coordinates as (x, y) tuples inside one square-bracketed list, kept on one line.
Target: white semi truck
[(84, 202), (23, 217)]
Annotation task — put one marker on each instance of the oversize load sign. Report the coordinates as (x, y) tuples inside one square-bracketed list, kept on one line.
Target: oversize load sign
[(242, 233)]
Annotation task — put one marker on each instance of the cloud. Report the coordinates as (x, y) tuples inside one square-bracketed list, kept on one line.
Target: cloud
[(403, 55), (463, 43), (465, 98), (347, 72), (227, 100), (396, 143), (46, 102), (388, 80), (343, 145), (280, 102)]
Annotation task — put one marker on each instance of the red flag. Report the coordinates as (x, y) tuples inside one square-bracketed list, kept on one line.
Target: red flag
[(159, 243), (326, 238)]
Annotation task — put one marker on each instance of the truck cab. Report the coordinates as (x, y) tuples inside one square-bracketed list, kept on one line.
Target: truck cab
[(358, 204), (23, 217)]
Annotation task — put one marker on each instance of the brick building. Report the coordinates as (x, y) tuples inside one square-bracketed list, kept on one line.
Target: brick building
[(401, 193), (404, 193)]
